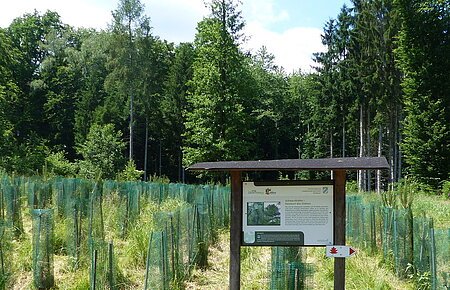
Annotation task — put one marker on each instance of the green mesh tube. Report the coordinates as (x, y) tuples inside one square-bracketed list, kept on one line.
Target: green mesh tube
[(157, 276), (12, 202), (5, 242), (103, 266), (43, 276)]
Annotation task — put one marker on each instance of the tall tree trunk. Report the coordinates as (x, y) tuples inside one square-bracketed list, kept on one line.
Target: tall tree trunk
[(331, 152), (399, 158), (391, 151), (182, 168), (160, 157), (179, 164), (343, 136), (368, 172), (146, 149), (300, 138), (130, 80), (395, 149), (277, 149), (130, 156), (331, 144), (361, 147), (380, 142)]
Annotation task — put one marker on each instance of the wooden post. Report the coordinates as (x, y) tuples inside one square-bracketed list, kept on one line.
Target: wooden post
[(235, 230), (339, 227), (110, 265)]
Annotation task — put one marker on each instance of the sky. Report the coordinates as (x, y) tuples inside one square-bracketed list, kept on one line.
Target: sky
[(290, 29)]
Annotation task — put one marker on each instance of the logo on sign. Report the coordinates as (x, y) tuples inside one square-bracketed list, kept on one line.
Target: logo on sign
[(269, 191)]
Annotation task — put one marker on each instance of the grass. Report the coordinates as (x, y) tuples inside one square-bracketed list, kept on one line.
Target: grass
[(436, 207), (423, 204), (363, 271), (21, 253), (254, 267)]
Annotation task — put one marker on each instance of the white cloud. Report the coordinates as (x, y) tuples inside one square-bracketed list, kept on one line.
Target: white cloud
[(263, 12), (175, 20), (293, 48), (82, 13)]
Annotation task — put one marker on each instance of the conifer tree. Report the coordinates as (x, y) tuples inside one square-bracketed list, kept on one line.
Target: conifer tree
[(424, 57), (218, 121), (129, 25)]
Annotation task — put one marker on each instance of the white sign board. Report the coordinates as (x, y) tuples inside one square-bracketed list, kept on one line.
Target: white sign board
[(288, 213), (340, 251)]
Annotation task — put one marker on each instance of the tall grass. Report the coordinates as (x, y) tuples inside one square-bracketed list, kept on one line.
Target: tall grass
[(255, 263), (435, 207), (420, 199), (363, 271)]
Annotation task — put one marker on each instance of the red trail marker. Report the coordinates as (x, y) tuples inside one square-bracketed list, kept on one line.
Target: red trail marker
[(340, 251)]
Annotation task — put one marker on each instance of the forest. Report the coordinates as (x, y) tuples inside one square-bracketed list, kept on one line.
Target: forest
[(123, 103)]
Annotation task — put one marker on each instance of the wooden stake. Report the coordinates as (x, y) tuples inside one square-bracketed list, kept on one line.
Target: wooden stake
[(235, 230), (339, 227)]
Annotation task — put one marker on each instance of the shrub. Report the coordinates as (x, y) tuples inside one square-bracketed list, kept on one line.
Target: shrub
[(57, 164), (102, 153), (446, 189), (130, 173)]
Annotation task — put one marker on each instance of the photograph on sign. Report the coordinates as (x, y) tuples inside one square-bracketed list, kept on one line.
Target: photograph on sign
[(287, 213), (262, 213)]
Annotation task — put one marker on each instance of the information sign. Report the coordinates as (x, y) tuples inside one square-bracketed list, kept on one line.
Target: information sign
[(340, 251), (288, 213)]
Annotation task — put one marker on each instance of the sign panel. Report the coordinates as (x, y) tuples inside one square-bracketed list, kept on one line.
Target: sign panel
[(340, 251), (287, 213)]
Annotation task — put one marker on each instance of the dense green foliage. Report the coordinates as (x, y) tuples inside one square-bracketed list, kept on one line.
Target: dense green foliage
[(102, 153), (379, 89), (219, 110), (424, 57)]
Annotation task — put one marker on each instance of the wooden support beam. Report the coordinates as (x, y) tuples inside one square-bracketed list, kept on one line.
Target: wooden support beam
[(235, 230), (339, 227)]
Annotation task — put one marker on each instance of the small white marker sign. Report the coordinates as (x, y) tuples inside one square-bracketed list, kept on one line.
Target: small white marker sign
[(340, 251)]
